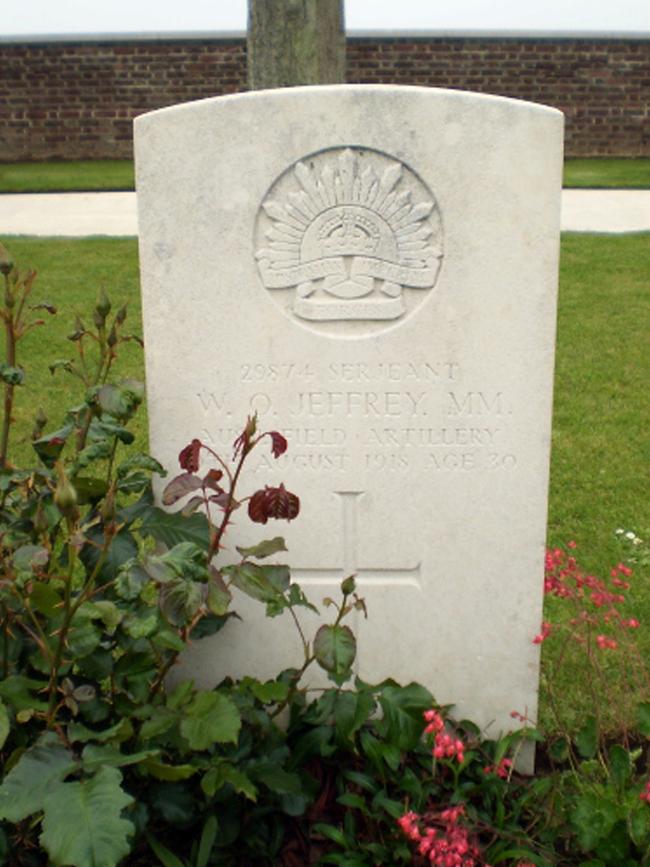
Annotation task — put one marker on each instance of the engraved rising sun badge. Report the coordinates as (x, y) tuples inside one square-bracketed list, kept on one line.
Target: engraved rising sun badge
[(349, 235)]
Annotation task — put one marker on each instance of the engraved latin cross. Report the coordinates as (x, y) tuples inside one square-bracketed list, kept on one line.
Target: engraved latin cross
[(366, 576)]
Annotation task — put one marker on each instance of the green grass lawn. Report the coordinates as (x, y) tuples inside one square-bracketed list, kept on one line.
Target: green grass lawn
[(69, 275), (607, 173), (39, 177), (600, 467), (57, 177)]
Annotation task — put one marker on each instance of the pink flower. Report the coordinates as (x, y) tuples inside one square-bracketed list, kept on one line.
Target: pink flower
[(501, 770), (435, 722), (606, 643), (544, 634)]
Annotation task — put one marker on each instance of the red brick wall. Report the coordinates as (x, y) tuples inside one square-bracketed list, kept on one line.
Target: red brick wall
[(77, 99)]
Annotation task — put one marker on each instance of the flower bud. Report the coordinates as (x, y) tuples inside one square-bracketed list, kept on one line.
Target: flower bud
[(6, 263), (40, 420), (103, 306), (65, 496), (120, 316)]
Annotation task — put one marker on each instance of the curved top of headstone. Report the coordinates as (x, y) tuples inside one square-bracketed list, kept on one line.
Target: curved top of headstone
[(325, 91)]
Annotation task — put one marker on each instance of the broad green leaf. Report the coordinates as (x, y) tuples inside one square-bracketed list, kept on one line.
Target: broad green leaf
[(181, 695), (210, 718), (139, 462), (335, 648), (296, 597), (20, 692), (141, 625), (29, 558), (121, 731), (168, 639), (106, 428), (162, 771), (271, 691), (82, 823), (185, 560), (351, 710), (593, 819), (587, 739), (4, 725), (620, 765), (224, 774), (639, 824), (83, 638), (131, 579), (39, 771), (44, 598), (89, 490), (170, 529), (97, 756), (180, 600), (161, 721), (264, 549), (95, 451), (275, 777), (219, 597), (256, 581), (403, 707)]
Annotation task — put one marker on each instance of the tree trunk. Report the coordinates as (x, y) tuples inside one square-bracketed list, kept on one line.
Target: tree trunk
[(293, 42)]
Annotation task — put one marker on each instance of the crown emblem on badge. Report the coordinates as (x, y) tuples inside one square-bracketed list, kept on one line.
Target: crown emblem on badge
[(349, 230)]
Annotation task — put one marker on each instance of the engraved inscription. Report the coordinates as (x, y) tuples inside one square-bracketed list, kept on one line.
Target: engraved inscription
[(377, 417), (348, 235)]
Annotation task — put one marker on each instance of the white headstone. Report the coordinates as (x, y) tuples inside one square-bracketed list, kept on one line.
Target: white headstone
[(373, 270)]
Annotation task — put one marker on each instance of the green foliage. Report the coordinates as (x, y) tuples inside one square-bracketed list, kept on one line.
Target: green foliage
[(83, 823)]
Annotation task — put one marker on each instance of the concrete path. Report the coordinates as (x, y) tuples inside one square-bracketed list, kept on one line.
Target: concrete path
[(606, 210), (81, 214)]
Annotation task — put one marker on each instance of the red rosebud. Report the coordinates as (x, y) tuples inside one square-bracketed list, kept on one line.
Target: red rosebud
[(243, 441), (278, 443), (189, 456), (273, 503)]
